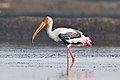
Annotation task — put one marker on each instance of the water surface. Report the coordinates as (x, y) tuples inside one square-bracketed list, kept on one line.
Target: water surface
[(91, 63)]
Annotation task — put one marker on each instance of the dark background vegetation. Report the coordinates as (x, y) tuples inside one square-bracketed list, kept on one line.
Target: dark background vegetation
[(99, 19)]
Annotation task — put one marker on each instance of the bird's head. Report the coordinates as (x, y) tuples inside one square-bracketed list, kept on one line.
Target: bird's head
[(46, 21)]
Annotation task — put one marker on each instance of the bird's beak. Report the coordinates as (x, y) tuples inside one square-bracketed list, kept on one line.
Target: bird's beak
[(40, 27)]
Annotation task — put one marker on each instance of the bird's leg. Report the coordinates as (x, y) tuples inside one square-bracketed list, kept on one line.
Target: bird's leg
[(67, 61), (68, 54), (73, 59)]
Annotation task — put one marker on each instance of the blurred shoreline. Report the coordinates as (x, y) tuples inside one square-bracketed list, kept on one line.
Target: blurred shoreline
[(60, 8), (98, 19), (19, 30)]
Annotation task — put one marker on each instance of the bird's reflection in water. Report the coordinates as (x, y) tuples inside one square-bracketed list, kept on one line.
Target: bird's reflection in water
[(79, 75), (69, 66), (72, 74)]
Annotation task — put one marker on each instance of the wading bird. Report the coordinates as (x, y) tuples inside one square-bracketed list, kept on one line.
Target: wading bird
[(67, 36)]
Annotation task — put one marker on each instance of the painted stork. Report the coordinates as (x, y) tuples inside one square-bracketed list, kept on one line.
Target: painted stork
[(67, 36)]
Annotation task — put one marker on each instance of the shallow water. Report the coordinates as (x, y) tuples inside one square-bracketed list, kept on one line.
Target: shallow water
[(91, 63)]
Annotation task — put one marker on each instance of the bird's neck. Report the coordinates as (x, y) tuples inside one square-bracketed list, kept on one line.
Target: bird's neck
[(49, 30)]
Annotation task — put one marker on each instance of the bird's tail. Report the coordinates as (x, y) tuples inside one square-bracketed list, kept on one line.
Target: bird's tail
[(87, 41)]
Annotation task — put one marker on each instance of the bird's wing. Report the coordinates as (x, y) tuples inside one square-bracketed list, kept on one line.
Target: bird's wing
[(69, 35), (66, 37)]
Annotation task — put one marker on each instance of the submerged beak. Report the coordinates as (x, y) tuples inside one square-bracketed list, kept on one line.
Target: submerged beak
[(40, 27)]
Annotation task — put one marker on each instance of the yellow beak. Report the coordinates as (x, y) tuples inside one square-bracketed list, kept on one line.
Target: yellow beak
[(41, 26)]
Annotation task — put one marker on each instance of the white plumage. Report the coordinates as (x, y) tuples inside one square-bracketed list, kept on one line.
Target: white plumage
[(57, 31), (81, 39), (67, 36)]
